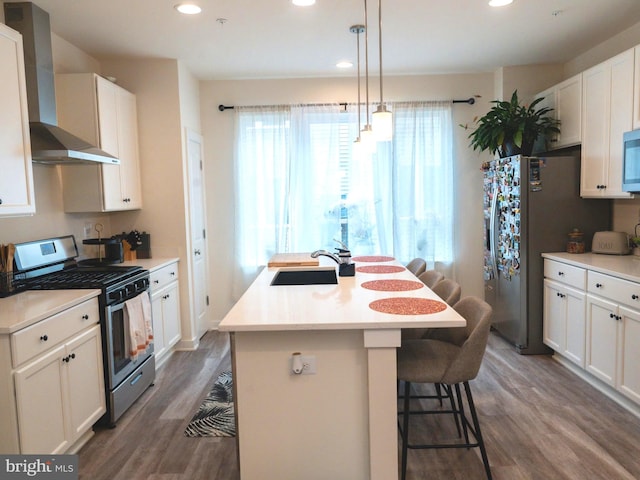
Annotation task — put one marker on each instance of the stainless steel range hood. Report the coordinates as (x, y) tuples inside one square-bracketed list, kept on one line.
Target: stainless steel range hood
[(49, 143)]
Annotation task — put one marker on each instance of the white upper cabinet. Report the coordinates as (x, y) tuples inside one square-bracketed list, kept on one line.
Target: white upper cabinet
[(607, 107), (16, 179), (105, 115), (636, 90), (565, 99)]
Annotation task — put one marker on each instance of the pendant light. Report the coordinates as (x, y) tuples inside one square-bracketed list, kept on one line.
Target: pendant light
[(382, 119), (366, 134), (357, 144)]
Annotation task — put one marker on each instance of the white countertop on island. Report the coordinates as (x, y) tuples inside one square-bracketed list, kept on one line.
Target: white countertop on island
[(622, 266), (26, 308), (328, 307)]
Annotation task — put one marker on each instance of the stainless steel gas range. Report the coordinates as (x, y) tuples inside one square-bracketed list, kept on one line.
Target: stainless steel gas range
[(51, 265)]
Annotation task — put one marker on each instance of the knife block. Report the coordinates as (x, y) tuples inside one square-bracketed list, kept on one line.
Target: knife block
[(128, 253)]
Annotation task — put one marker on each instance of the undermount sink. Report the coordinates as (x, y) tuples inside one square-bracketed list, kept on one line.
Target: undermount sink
[(313, 276)]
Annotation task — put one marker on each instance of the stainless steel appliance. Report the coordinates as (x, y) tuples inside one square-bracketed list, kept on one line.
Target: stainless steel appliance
[(51, 264), (530, 206)]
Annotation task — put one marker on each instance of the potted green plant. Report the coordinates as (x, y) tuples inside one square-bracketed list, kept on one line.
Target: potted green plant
[(510, 128)]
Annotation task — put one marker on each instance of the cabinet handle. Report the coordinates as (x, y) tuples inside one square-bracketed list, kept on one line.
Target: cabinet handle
[(197, 252), (561, 274), (561, 295), (44, 338), (156, 281), (598, 285), (68, 358), (164, 297), (85, 316), (634, 297), (173, 274), (611, 315)]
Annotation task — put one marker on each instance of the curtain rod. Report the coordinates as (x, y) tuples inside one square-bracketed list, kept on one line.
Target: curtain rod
[(470, 101)]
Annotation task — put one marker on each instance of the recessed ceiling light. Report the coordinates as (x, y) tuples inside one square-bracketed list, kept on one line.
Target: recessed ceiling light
[(344, 64), (188, 8), (499, 3), (303, 3)]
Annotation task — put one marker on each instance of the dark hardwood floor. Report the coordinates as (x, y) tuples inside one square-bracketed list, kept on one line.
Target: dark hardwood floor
[(539, 421)]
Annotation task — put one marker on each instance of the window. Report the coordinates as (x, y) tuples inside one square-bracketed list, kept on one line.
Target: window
[(298, 187)]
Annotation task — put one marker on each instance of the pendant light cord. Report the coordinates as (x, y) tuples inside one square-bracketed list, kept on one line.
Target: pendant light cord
[(380, 44), (358, 44), (366, 56)]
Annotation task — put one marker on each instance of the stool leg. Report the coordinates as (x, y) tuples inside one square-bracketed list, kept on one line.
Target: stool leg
[(463, 416), (405, 427), (476, 425), (449, 391), (439, 392)]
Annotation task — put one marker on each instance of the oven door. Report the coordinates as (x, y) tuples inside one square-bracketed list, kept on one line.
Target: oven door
[(117, 356)]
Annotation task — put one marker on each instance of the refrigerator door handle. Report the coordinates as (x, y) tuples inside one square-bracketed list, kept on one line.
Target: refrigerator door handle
[(492, 232)]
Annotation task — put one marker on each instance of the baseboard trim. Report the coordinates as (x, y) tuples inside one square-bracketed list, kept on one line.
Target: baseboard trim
[(599, 385)]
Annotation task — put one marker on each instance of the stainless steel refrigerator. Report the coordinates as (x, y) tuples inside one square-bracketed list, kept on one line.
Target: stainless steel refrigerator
[(531, 204)]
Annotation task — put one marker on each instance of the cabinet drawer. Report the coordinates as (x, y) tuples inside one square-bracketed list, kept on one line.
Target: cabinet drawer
[(33, 340), (616, 289), (564, 273), (163, 276)]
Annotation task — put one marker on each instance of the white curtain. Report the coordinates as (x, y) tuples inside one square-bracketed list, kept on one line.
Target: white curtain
[(298, 185)]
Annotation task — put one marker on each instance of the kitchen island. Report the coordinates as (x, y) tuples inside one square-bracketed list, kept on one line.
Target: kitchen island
[(338, 418)]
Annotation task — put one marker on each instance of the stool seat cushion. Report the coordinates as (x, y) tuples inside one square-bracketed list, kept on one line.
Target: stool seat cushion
[(425, 361)]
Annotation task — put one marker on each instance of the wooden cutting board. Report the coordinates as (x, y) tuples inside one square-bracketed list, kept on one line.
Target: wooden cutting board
[(293, 260)]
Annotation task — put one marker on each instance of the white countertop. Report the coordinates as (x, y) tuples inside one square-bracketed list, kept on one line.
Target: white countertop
[(328, 307), (622, 266), (26, 308), (150, 264)]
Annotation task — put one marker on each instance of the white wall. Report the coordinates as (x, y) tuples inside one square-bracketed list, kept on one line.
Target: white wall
[(218, 142), (167, 101)]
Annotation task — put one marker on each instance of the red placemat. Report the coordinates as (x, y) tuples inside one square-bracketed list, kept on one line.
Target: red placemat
[(408, 306), (373, 258), (380, 269), (393, 285)]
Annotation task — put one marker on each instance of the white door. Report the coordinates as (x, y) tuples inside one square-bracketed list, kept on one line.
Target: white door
[(197, 218)]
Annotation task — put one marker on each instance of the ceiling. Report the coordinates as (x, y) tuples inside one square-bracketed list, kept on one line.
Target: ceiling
[(274, 39)]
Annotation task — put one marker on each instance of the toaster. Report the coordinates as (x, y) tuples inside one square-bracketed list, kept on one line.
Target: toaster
[(611, 243)]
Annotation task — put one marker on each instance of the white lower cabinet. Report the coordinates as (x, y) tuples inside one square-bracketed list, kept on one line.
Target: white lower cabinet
[(165, 308), (564, 320), (602, 326), (595, 324), (59, 380)]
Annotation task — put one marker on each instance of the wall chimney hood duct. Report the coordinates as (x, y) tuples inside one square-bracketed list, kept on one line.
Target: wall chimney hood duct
[(49, 143)]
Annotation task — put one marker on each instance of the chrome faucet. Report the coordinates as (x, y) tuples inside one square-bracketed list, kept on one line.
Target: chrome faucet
[(343, 259), (332, 256)]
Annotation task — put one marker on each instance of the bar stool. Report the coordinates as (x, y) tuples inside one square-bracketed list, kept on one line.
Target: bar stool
[(416, 266), (449, 291), (452, 359), (431, 278)]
